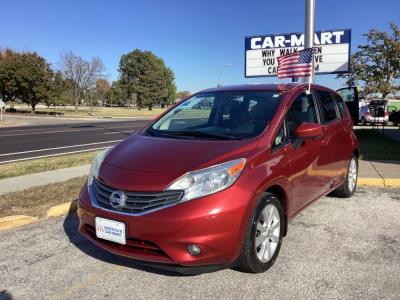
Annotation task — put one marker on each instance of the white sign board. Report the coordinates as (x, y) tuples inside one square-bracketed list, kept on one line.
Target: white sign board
[(331, 52)]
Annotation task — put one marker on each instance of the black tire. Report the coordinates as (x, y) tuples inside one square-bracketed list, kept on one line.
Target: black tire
[(248, 260), (344, 191)]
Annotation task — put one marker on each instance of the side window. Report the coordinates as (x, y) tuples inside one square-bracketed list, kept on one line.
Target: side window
[(340, 103), (280, 138), (328, 106), (302, 111)]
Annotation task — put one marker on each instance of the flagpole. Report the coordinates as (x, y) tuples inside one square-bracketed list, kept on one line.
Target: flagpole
[(309, 27)]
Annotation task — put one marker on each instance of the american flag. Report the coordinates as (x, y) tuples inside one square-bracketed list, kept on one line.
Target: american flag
[(298, 64)]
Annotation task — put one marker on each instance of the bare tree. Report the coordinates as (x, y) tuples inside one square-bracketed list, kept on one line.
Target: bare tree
[(82, 73)]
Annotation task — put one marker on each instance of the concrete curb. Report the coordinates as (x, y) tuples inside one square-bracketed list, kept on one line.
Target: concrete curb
[(53, 212), (388, 182), (61, 209), (16, 221), (64, 208)]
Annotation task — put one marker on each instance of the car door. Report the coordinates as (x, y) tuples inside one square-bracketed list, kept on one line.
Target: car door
[(335, 140), (343, 143), (308, 158), (350, 97)]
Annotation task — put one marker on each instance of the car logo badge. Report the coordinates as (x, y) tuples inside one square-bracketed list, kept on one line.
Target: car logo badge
[(117, 199)]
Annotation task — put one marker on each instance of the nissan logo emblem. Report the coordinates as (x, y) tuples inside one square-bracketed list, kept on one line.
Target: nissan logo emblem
[(117, 199)]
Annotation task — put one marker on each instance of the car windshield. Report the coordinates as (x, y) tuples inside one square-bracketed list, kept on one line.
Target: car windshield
[(219, 115)]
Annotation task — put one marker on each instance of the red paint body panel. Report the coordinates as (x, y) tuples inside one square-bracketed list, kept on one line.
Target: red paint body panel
[(216, 222)]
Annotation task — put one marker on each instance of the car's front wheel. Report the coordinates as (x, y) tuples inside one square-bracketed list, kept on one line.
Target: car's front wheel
[(263, 237)]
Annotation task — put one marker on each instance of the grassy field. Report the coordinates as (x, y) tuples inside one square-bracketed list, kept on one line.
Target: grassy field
[(84, 111), (45, 164), (37, 200), (376, 146)]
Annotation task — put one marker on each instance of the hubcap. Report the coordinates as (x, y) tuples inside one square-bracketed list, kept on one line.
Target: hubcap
[(267, 233), (352, 175)]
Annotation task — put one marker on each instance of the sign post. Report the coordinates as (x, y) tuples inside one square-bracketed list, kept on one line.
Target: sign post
[(331, 52), (2, 105), (309, 31)]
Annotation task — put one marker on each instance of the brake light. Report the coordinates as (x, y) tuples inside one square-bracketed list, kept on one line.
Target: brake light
[(386, 114)]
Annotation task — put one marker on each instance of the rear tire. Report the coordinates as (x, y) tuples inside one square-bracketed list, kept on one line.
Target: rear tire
[(349, 186), (263, 237)]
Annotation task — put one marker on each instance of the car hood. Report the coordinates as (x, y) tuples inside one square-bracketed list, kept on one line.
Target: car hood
[(167, 155)]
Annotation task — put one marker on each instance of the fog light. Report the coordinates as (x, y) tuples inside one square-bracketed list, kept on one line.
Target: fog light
[(194, 250)]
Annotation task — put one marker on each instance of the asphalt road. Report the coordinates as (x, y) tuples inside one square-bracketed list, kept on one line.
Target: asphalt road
[(28, 142), (335, 249)]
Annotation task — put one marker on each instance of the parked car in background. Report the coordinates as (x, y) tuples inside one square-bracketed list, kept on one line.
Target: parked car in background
[(375, 112), (217, 184)]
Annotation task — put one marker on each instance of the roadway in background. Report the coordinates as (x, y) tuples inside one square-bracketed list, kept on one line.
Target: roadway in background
[(29, 142)]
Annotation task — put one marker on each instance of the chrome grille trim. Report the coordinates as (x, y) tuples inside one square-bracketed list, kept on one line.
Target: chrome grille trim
[(137, 203)]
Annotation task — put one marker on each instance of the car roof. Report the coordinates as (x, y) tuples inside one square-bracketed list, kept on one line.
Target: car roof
[(281, 87)]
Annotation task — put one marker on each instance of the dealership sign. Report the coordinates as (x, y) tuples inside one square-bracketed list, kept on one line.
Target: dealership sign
[(331, 52)]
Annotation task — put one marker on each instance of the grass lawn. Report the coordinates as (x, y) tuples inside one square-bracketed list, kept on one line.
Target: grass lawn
[(37, 200), (376, 146), (84, 111), (45, 164)]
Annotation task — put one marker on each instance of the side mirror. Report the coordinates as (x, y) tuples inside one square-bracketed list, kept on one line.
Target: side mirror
[(309, 131)]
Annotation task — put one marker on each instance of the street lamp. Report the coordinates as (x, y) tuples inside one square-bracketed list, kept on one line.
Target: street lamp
[(222, 71)]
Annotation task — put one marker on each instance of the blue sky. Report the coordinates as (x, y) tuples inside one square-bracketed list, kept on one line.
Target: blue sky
[(195, 38)]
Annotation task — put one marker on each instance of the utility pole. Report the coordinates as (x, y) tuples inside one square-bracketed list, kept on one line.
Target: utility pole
[(309, 29)]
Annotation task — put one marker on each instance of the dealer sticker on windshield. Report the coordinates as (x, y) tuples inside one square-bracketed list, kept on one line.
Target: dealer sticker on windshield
[(110, 230)]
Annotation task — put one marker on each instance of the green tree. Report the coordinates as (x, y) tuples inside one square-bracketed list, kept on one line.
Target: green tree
[(58, 88), (170, 94), (183, 94), (9, 65), (118, 95), (25, 76), (376, 65), (145, 78)]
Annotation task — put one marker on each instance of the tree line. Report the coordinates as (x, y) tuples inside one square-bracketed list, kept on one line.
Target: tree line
[(375, 67), (144, 80)]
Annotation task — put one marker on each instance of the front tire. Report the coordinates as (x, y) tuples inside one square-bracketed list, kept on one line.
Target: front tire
[(263, 237), (347, 189)]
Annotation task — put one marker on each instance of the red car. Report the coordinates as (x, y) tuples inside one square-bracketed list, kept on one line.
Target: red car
[(216, 178)]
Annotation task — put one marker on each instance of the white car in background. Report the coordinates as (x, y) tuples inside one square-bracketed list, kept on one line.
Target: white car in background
[(375, 112)]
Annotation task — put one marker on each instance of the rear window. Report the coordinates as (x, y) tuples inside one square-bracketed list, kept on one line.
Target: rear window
[(328, 106)]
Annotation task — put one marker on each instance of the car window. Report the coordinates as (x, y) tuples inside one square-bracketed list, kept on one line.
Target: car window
[(302, 111), (340, 103), (328, 106)]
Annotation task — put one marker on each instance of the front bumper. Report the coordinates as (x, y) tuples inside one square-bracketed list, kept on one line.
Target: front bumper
[(216, 223)]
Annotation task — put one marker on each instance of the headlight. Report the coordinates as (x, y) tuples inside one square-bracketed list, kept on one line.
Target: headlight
[(208, 181), (97, 161)]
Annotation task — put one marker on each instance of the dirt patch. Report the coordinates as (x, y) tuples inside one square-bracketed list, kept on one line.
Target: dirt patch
[(37, 200)]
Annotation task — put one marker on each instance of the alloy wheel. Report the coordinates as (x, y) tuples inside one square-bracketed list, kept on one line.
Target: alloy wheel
[(267, 233)]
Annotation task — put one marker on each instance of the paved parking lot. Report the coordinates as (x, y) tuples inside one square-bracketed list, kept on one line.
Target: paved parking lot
[(337, 248)]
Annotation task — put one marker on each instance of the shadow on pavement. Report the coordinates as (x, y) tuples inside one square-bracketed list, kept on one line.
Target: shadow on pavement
[(5, 295), (71, 225)]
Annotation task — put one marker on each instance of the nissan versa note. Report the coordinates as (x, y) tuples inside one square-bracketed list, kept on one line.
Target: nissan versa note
[(216, 178)]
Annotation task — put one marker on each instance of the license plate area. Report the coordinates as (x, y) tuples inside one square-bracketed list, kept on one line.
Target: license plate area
[(110, 230)]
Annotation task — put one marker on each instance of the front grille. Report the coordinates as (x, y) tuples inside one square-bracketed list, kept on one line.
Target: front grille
[(136, 202)]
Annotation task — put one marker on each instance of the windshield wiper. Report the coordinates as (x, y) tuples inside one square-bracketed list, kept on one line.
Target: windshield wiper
[(205, 134)]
